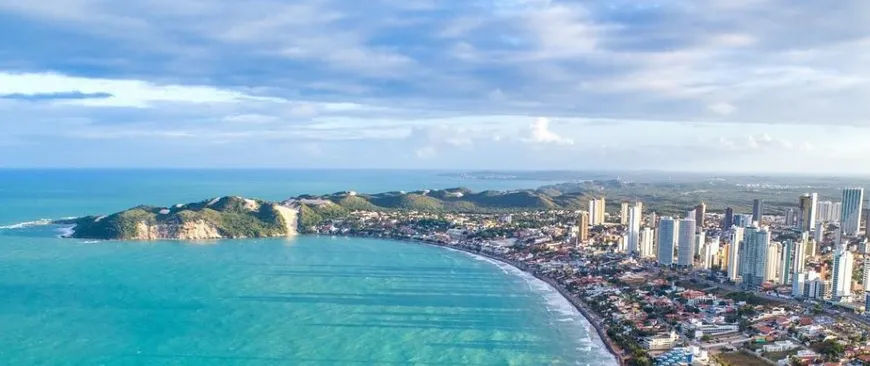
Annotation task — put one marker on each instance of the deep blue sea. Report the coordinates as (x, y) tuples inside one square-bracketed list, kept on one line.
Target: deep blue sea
[(311, 300)]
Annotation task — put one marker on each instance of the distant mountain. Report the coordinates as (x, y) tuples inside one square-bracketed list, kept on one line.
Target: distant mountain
[(454, 199)]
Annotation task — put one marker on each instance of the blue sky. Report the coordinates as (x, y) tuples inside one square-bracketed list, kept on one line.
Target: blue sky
[(714, 85)]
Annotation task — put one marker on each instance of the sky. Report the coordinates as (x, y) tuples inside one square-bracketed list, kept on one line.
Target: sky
[(716, 85)]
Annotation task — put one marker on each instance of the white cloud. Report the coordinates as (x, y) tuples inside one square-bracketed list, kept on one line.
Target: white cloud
[(541, 134), (426, 152), (118, 93), (722, 108)]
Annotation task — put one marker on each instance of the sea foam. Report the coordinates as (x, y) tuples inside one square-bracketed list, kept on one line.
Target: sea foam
[(27, 224), (556, 303)]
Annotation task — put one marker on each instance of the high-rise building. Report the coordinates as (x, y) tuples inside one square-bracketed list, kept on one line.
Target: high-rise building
[(647, 240), (728, 220), (866, 303), (807, 205), (690, 214), (699, 240), (667, 235), (700, 214), (710, 253), (790, 217), (583, 227), (850, 219), (686, 243), (623, 213), (786, 262), (742, 220), (819, 232), (797, 285), (734, 253), (597, 208), (812, 249), (809, 285), (866, 280), (772, 264), (866, 218), (753, 256), (652, 219), (633, 223), (758, 209), (837, 212), (842, 276), (800, 255), (825, 212)]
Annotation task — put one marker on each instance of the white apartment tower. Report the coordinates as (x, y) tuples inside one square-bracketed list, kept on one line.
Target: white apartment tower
[(772, 265), (753, 256), (623, 213), (842, 276), (866, 279), (597, 209), (686, 243), (734, 253), (647, 240), (634, 217)]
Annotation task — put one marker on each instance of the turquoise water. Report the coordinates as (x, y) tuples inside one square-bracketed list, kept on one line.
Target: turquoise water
[(306, 301)]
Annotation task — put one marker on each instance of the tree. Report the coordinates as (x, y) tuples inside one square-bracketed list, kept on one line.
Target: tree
[(831, 349), (706, 338)]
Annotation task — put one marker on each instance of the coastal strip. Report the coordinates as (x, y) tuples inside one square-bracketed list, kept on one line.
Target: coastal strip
[(578, 304)]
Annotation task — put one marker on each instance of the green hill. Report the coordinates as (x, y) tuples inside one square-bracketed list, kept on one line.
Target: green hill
[(224, 217)]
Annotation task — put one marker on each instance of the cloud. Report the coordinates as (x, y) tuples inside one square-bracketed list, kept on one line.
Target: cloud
[(456, 80), (722, 108), (110, 92), (541, 134)]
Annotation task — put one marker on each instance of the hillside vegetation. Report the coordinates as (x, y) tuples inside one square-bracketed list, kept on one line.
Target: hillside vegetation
[(228, 217)]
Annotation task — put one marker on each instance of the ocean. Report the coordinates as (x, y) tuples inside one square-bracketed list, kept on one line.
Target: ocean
[(310, 300)]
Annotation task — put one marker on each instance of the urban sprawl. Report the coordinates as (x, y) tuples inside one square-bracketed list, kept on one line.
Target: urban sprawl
[(724, 288)]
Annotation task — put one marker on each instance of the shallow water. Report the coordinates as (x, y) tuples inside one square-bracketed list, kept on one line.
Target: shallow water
[(307, 301)]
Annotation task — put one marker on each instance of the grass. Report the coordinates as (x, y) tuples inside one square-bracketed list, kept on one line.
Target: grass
[(741, 359)]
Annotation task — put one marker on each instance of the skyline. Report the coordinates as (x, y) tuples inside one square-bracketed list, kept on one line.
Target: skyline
[(479, 85)]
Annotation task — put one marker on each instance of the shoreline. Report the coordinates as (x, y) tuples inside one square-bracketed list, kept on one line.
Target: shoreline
[(578, 304)]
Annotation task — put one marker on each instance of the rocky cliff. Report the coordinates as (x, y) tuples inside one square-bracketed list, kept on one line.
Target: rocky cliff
[(222, 217)]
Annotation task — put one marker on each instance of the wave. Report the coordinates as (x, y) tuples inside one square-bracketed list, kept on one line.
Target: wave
[(66, 232), (556, 303), (22, 225)]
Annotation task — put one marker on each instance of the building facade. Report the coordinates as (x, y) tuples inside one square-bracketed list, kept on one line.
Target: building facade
[(852, 208), (807, 205), (841, 280), (753, 256), (686, 243), (667, 235), (758, 209)]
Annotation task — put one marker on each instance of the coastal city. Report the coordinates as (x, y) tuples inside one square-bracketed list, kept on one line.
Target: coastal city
[(706, 288)]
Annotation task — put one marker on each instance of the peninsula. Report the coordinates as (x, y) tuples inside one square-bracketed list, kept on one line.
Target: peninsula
[(218, 218)]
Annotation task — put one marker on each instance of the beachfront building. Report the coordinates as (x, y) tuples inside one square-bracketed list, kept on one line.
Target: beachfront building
[(661, 341)]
